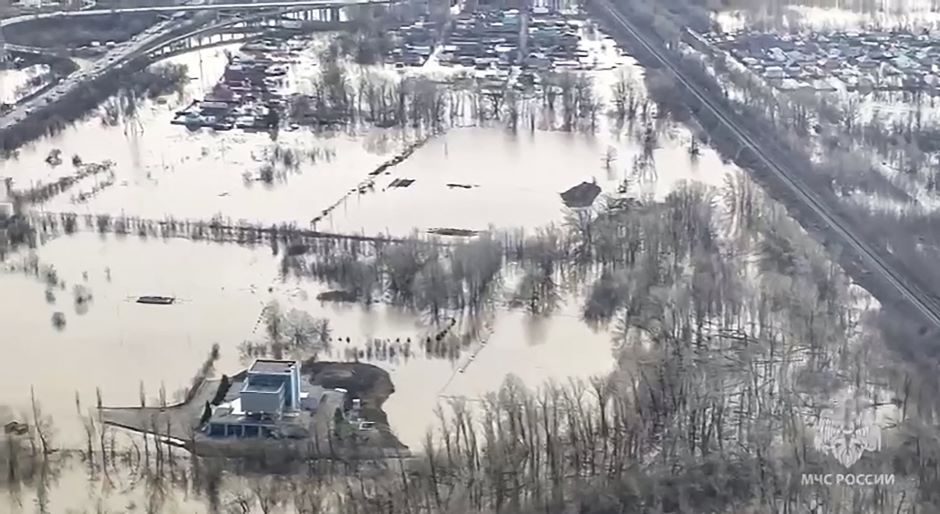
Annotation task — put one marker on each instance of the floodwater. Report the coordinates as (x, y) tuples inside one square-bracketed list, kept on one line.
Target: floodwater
[(527, 169), (535, 350), (163, 169), (116, 345)]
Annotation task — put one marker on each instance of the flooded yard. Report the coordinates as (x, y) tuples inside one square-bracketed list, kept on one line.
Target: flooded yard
[(456, 185), (165, 170), (114, 343)]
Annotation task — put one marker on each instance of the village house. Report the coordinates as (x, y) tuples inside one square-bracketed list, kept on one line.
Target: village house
[(887, 60)]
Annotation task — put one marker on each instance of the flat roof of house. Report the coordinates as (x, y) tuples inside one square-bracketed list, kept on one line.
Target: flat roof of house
[(261, 388), (272, 366)]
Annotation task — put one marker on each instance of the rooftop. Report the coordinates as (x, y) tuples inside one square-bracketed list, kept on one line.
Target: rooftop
[(251, 387), (272, 366), (581, 195)]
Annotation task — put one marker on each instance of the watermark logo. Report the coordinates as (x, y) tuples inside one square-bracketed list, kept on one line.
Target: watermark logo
[(847, 441), (846, 433), (851, 479)]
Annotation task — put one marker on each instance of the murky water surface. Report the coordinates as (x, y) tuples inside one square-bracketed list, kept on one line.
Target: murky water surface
[(115, 344)]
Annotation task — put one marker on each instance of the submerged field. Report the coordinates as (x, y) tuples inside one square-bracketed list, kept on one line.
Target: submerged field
[(687, 306)]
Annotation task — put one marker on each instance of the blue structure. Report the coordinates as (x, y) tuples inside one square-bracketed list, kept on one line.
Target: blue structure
[(272, 388)]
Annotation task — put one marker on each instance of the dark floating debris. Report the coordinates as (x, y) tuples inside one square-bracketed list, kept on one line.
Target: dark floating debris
[(402, 182), (156, 300), (460, 232), (16, 428), (462, 186)]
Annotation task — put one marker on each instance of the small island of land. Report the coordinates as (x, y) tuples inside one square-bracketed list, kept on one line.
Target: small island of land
[(277, 409)]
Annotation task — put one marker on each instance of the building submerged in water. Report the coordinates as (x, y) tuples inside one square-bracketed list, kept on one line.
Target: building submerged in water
[(272, 401)]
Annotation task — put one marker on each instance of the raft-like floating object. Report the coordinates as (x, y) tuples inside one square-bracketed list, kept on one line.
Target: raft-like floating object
[(156, 300)]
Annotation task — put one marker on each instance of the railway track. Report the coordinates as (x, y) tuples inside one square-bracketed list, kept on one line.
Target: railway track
[(922, 301)]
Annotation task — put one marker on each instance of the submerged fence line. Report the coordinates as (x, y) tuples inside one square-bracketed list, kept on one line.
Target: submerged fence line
[(217, 229), (44, 192)]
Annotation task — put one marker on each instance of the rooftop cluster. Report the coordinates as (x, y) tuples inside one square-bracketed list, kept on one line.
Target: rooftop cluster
[(500, 38), (863, 61), (248, 94)]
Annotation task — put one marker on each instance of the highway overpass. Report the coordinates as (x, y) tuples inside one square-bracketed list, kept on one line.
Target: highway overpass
[(165, 32), (172, 9)]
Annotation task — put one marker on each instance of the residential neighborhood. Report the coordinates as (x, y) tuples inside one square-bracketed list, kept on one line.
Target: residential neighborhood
[(862, 61)]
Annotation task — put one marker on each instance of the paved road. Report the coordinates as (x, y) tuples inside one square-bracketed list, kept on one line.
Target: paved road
[(919, 299), (189, 8), (121, 54), (114, 58)]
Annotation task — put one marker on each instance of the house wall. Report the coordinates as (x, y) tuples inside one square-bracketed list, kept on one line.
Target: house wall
[(268, 402)]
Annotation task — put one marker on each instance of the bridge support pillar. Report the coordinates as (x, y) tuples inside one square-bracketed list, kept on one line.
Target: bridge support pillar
[(334, 14)]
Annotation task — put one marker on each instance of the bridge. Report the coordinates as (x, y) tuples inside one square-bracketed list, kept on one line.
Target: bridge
[(172, 9), (229, 31), (165, 33), (34, 50), (234, 31)]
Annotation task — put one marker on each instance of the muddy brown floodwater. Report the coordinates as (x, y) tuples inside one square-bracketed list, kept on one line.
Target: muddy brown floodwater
[(116, 344)]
